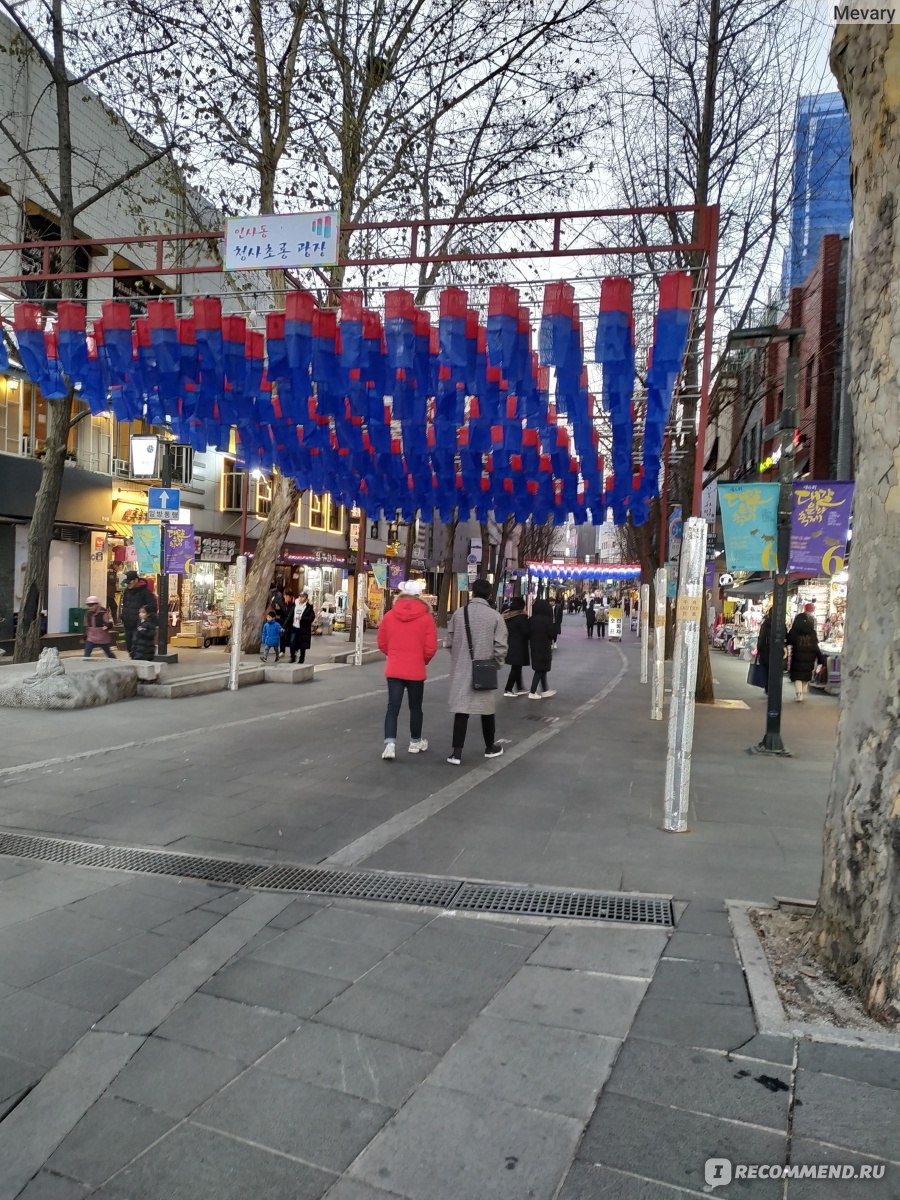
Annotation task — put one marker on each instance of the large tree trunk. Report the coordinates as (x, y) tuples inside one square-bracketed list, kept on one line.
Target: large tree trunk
[(285, 496), (857, 921)]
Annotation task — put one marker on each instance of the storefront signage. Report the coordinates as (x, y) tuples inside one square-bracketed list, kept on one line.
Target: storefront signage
[(462, 581), (143, 457), (280, 240), (354, 535), (213, 549), (616, 618), (396, 574), (147, 548), (820, 526), (750, 525), (178, 546)]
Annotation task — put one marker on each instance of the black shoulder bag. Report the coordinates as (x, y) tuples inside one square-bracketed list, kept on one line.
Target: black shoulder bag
[(484, 670)]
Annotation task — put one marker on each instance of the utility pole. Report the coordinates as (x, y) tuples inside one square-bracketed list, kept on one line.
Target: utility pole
[(165, 478)]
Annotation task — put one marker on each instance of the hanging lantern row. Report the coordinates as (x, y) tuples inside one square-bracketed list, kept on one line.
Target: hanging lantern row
[(391, 414), (585, 571)]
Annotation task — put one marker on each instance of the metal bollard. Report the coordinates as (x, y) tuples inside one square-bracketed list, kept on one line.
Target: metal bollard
[(658, 689), (237, 623), (688, 623), (645, 629), (361, 612)]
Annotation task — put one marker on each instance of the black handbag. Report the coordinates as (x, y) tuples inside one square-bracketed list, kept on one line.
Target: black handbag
[(758, 675), (484, 670)]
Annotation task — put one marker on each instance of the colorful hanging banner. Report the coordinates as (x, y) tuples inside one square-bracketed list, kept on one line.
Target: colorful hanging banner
[(178, 544), (462, 581), (750, 524), (710, 581), (147, 548), (380, 571), (820, 526), (396, 575)]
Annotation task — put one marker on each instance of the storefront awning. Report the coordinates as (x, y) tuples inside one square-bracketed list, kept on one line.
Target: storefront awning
[(752, 590)]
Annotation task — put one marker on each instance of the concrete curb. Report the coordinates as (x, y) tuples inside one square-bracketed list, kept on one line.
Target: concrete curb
[(767, 1007)]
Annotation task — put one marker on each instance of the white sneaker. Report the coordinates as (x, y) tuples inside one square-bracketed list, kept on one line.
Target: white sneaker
[(520, 692), (419, 746), (493, 751), (389, 753), (550, 692), (534, 696), (510, 694), (454, 758)]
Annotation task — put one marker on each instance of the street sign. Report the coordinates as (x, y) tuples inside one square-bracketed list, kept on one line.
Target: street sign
[(163, 504)]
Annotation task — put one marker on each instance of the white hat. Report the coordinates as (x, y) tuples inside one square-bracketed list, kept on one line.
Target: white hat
[(93, 600), (411, 587)]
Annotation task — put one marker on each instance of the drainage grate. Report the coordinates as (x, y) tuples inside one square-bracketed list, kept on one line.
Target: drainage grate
[(357, 885)]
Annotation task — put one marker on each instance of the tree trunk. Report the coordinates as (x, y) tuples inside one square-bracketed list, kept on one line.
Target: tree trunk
[(259, 579), (857, 921)]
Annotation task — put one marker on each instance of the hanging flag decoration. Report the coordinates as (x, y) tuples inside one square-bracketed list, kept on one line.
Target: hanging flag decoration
[(614, 351), (820, 527), (750, 525)]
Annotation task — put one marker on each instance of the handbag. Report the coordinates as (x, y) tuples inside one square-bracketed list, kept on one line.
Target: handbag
[(758, 675), (484, 670)]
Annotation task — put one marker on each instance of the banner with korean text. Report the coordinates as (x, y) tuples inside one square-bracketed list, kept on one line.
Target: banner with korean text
[(147, 548), (178, 545), (820, 526), (276, 241), (750, 525)]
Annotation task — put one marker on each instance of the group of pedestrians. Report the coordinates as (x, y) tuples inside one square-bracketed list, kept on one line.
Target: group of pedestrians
[(530, 644), (138, 612), (287, 628), (596, 614), (803, 641)]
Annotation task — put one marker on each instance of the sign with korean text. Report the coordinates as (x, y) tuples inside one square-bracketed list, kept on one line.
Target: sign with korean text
[(820, 525), (213, 549), (147, 548), (178, 549), (750, 524), (616, 620), (280, 240), (163, 504), (396, 574)]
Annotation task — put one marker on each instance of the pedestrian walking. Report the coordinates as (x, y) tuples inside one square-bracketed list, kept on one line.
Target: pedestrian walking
[(476, 633), (143, 640), (558, 609), (590, 617), (270, 637), (97, 628), (299, 622), (805, 653), (517, 655), (287, 620), (277, 601), (602, 615), (136, 595), (407, 637), (542, 627)]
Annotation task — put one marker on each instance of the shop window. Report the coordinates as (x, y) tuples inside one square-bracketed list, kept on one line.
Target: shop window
[(263, 496), (335, 517), (10, 416), (233, 484), (181, 459), (317, 506)]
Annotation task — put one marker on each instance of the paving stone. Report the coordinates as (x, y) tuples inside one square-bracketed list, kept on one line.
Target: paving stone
[(173, 1078), (227, 903), (16, 1076), (323, 1127), (632, 952), (540, 1066), (298, 949), (79, 935), (847, 1113), (296, 912), (704, 947), (263, 938), (352, 1189), (710, 983), (280, 988), (195, 1164), (570, 999), (237, 1031), (670, 1146), (587, 1182), (441, 984), (24, 961), (692, 1023), (371, 1068), (702, 1081), (878, 1067), (410, 1020), (93, 986), (129, 907), (187, 927), (815, 1153), (38, 1030), (46, 1186), (346, 925), (107, 1138), (443, 1145), (704, 920), (767, 1047), (145, 953), (473, 945)]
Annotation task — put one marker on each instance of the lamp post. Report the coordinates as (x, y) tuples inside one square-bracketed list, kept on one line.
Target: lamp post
[(772, 742)]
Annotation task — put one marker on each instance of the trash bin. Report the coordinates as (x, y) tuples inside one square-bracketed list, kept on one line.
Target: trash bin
[(76, 620)]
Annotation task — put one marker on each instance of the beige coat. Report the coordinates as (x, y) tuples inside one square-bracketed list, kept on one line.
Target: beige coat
[(489, 640)]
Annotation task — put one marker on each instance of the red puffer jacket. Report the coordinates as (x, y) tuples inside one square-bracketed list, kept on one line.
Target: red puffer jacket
[(408, 636)]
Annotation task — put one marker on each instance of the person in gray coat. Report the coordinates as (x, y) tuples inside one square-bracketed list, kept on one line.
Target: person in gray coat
[(489, 640)]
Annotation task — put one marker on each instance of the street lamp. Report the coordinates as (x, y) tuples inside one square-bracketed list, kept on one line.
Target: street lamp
[(747, 338)]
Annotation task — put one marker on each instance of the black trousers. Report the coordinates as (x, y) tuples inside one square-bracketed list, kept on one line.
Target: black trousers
[(461, 724), (515, 679), (293, 645), (540, 677), (415, 688)]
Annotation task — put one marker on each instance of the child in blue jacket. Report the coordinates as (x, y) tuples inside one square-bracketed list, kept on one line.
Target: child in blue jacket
[(270, 637)]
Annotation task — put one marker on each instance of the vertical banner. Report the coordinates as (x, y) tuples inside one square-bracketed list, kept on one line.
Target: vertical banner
[(147, 548), (98, 563), (396, 575), (178, 549), (820, 526), (462, 581), (380, 571), (750, 524), (709, 582)]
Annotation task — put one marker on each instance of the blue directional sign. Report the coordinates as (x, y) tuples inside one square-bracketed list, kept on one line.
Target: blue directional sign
[(163, 504)]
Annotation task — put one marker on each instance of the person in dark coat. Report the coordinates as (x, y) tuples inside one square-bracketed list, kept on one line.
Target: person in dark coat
[(542, 628), (287, 621), (517, 656), (137, 595), (558, 610), (143, 641), (590, 617), (302, 616), (764, 641), (805, 653)]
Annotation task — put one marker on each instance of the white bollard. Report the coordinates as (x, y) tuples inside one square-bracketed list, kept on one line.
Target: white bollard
[(658, 690), (362, 609), (688, 623), (237, 622), (645, 629)]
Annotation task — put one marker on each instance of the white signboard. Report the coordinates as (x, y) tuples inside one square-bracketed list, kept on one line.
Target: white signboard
[(280, 240), (143, 456)]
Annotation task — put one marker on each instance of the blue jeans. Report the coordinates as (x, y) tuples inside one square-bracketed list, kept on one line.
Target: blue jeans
[(416, 690)]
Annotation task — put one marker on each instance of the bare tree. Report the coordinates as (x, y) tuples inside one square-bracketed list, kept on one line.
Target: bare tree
[(857, 921), (70, 181)]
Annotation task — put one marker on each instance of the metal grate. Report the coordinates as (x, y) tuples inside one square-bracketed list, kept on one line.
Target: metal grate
[(357, 885)]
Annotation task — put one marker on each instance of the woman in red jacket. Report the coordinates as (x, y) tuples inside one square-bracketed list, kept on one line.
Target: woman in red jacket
[(408, 637)]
